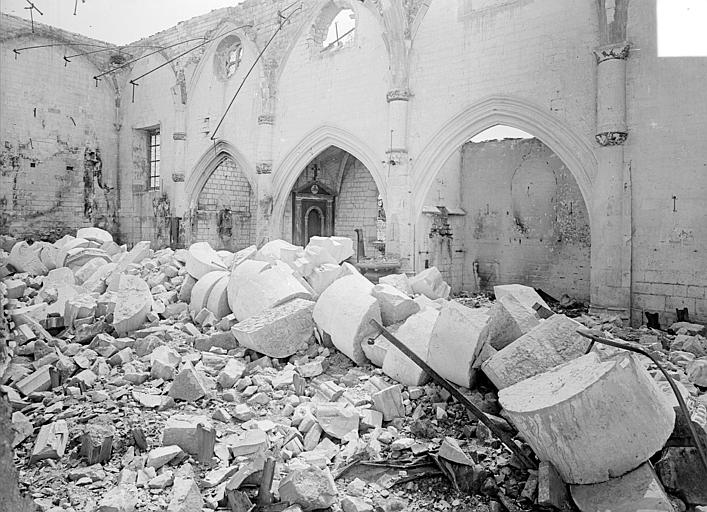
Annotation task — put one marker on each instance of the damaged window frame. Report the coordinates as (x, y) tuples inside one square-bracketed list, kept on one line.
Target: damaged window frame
[(154, 142)]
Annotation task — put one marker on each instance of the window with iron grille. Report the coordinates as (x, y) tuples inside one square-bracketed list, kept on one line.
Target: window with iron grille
[(154, 158)]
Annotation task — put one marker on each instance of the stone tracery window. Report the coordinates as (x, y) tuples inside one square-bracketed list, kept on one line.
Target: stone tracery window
[(228, 57), (333, 29)]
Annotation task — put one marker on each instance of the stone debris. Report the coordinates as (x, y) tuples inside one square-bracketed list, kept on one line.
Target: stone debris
[(163, 380)]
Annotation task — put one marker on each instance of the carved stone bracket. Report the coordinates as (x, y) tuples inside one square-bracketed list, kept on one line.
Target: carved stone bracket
[(266, 119), (178, 177), (612, 51), (263, 168), (611, 138), (396, 157), (398, 95), (179, 136)]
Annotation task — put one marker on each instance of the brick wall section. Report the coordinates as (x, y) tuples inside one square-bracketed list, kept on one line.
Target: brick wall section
[(227, 187), (526, 220), (50, 115), (357, 206)]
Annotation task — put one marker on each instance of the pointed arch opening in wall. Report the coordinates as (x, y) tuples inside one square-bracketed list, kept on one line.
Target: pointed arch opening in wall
[(505, 199), (222, 200)]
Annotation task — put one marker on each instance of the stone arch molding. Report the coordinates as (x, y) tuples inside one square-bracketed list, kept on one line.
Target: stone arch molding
[(291, 166), (208, 163), (574, 152)]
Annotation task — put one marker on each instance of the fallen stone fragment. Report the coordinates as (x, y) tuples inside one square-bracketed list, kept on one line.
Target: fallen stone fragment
[(247, 443), (697, 372), (552, 490), (77, 258), (526, 295), (338, 421), (25, 258), (202, 259), (508, 321), (14, 288), (311, 488), (455, 342), (51, 442), (681, 472), (96, 282), (40, 380), (688, 328), (271, 287), (276, 250), (278, 332), (122, 498), (94, 234), (158, 457), (186, 496), (399, 281), (553, 342), (218, 298), (566, 413), (181, 430), (353, 504), (147, 399), (164, 361), (415, 334), (188, 385), (430, 283), (395, 305), (217, 476), (389, 402), (637, 491), (231, 373), (97, 443), (246, 271), (338, 247), (202, 289), (161, 481), (22, 428), (133, 303), (344, 312)]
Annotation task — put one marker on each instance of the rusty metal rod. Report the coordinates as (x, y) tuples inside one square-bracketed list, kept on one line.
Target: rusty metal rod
[(592, 335), (497, 431)]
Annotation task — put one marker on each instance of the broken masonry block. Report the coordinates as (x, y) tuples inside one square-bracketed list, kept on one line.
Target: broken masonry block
[(278, 332), (567, 413), (637, 491), (399, 281), (246, 271), (246, 443), (344, 310), (508, 321), (139, 438), (336, 420), (311, 488), (26, 259), (552, 490), (389, 402), (186, 496), (188, 385), (133, 303), (339, 247), (181, 430), (202, 289), (206, 439), (275, 250), (455, 342), (122, 498), (51, 441), (218, 298), (526, 295), (322, 276), (429, 283), (553, 342), (415, 334), (94, 234), (202, 259), (97, 443), (395, 305), (39, 380), (233, 371)]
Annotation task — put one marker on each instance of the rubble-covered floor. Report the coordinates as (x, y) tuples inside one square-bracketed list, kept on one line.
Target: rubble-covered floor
[(179, 415)]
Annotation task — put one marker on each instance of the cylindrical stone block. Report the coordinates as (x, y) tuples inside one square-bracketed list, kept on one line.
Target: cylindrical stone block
[(592, 419), (611, 95)]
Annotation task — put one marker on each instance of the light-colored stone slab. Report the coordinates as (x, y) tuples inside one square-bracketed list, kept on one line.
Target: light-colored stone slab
[(202, 289), (202, 259), (509, 320), (322, 276), (415, 334), (133, 303), (429, 283), (395, 305), (553, 342), (526, 295), (218, 298), (455, 342), (93, 234), (344, 312), (339, 247), (399, 281), (180, 430), (245, 271), (278, 332), (567, 414)]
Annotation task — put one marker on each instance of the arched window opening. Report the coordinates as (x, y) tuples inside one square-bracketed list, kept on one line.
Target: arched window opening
[(228, 57), (341, 30)]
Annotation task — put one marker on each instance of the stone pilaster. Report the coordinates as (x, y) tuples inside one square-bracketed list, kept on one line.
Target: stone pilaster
[(263, 170), (611, 204)]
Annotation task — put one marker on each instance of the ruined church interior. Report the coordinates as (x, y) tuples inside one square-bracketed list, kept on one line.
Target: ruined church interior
[(353, 255)]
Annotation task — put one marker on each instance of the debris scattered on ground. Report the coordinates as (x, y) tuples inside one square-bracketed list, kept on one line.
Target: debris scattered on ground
[(201, 379)]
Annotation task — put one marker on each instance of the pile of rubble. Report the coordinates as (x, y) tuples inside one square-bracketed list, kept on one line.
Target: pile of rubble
[(201, 379)]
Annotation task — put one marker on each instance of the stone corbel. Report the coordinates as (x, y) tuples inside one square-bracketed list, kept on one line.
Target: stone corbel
[(178, 177), (611, 138), (266, 119), (396, 157), (398, 95), (263, 168), (612, 51)]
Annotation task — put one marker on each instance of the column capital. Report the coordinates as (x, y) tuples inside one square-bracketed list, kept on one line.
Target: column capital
[(614, 138), (398, 95), (263, 168), (266, 119), (178, 177), (618, 51)]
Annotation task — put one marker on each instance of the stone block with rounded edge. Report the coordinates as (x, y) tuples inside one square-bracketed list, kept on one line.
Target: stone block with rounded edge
[(526, 295), (415, 334), (202, 289), (553, 342), (278, 332), (430, 283), (245, 271), (395, 305), (637, 491), (455, 342), (588, 417), (344, 312), (271, 287), (132, 304), (202, 259), (88, 269), (509, 320), (218, 298), (94, 234)]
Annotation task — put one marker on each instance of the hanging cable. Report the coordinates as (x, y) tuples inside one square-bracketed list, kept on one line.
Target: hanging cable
[(134, 83), (282, 24)]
